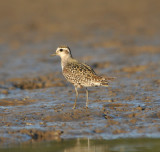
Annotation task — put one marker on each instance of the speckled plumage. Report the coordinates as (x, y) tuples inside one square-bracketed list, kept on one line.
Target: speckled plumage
[(79, 74)]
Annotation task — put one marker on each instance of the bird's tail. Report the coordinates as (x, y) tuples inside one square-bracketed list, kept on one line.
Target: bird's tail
[(104, 81)]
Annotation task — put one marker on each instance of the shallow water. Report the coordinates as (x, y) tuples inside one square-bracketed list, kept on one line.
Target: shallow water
[(88, 145)]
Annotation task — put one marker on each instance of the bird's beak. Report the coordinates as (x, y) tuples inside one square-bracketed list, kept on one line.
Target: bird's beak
[(53, 54)]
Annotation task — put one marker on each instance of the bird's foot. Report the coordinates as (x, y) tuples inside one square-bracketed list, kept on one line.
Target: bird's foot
[(74, 106), (86, 107)]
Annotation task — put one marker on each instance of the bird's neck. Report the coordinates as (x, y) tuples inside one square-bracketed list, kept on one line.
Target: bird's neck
[(66, 60)]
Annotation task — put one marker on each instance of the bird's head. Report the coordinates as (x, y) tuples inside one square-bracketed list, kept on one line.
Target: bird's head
[(63, 52)]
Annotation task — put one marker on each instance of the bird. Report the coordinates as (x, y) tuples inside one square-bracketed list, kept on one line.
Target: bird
[(79, 74)]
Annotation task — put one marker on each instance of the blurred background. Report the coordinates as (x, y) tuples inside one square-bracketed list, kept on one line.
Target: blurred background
[(33, 27)]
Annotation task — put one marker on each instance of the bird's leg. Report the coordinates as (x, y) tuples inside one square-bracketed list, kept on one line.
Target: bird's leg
[(86, 98), (74, 106)]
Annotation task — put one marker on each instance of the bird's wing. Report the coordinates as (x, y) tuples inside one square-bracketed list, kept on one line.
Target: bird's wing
[(77, 71), (89, 68)]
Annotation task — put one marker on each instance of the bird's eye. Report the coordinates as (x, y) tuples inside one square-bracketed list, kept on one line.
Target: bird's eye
[(61, 50)]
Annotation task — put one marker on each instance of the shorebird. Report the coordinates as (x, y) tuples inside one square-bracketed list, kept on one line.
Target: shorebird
[(79, 74)]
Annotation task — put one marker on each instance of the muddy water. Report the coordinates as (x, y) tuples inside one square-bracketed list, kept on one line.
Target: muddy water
[(40, 108), (36, 101)]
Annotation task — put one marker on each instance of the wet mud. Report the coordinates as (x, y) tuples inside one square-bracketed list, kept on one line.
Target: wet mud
[(120, 41)]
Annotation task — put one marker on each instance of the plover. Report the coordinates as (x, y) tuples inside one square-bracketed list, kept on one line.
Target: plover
[(79, 74)]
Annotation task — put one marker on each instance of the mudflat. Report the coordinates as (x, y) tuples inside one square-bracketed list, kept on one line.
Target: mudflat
[(117, 38)]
